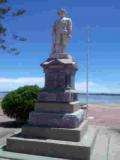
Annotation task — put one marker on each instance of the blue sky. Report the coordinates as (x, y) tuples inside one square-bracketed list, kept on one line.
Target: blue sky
[(101, 16)]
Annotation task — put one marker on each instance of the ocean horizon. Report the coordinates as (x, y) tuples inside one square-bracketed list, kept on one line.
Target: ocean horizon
[(96, 98)]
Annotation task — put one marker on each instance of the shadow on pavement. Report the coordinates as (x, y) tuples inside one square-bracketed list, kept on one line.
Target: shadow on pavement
[(11, 124)]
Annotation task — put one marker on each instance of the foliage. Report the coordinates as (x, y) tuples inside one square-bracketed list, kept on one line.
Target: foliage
[(6, 11), (18, 103)]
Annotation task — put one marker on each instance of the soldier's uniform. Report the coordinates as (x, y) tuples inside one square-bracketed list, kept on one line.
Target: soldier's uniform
[(61, 32)]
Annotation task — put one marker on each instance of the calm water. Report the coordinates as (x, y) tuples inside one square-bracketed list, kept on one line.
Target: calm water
[(2, 94), (100, 98), (93, 98)]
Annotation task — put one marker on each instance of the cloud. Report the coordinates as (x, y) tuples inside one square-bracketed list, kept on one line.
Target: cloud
[(81, 86), (93, 87), (7, 84)]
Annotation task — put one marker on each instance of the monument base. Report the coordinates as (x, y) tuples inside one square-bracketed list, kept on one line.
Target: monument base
[(74, 135), (58, 120), (54, 148), (66, 96), (57, 127), (55, 107)]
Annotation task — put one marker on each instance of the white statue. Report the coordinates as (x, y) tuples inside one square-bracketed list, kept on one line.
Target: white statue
[(61, 32)]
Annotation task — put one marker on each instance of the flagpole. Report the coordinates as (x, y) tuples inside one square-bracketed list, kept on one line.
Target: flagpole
[(87, 69)]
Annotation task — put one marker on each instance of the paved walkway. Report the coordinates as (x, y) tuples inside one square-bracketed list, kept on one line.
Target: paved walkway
[(104, 115), (107, 145)]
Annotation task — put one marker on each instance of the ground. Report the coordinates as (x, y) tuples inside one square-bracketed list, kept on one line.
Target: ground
[(105, 117)]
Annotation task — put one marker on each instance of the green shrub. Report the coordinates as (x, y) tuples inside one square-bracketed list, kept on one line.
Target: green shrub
[(18, 103)]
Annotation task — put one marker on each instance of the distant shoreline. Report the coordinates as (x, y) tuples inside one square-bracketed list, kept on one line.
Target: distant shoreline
[(110, 94)]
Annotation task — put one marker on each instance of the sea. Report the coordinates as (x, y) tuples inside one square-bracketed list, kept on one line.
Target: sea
[(99, 98), (92, 98), (2, 94)]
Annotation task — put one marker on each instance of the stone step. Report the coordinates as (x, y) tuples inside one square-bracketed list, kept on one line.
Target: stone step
[(6, 155), (54, 148), (57, 120), (74, 135), (57, 107)]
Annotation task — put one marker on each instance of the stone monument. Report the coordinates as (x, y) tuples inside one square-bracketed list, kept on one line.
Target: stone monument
[(58, 126), (61, 32)]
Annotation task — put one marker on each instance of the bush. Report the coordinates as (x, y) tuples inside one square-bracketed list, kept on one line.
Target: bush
[(18, 103)]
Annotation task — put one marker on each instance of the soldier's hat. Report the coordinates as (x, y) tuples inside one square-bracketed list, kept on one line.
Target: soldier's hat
[(61, 10)]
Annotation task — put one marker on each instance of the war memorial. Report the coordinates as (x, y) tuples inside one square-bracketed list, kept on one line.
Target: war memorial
[(57, 127)]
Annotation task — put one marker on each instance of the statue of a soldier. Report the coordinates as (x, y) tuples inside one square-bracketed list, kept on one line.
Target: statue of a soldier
[(61, 32)]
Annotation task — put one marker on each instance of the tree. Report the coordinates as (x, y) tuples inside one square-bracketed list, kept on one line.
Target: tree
[(18, 103), (5, 12)]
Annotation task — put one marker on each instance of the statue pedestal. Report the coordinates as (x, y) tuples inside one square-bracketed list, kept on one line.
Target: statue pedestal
[(58, 120), (57, 127), (59, 80), (60, 56)]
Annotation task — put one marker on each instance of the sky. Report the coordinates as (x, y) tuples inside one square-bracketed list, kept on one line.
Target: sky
[(102, 17)]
